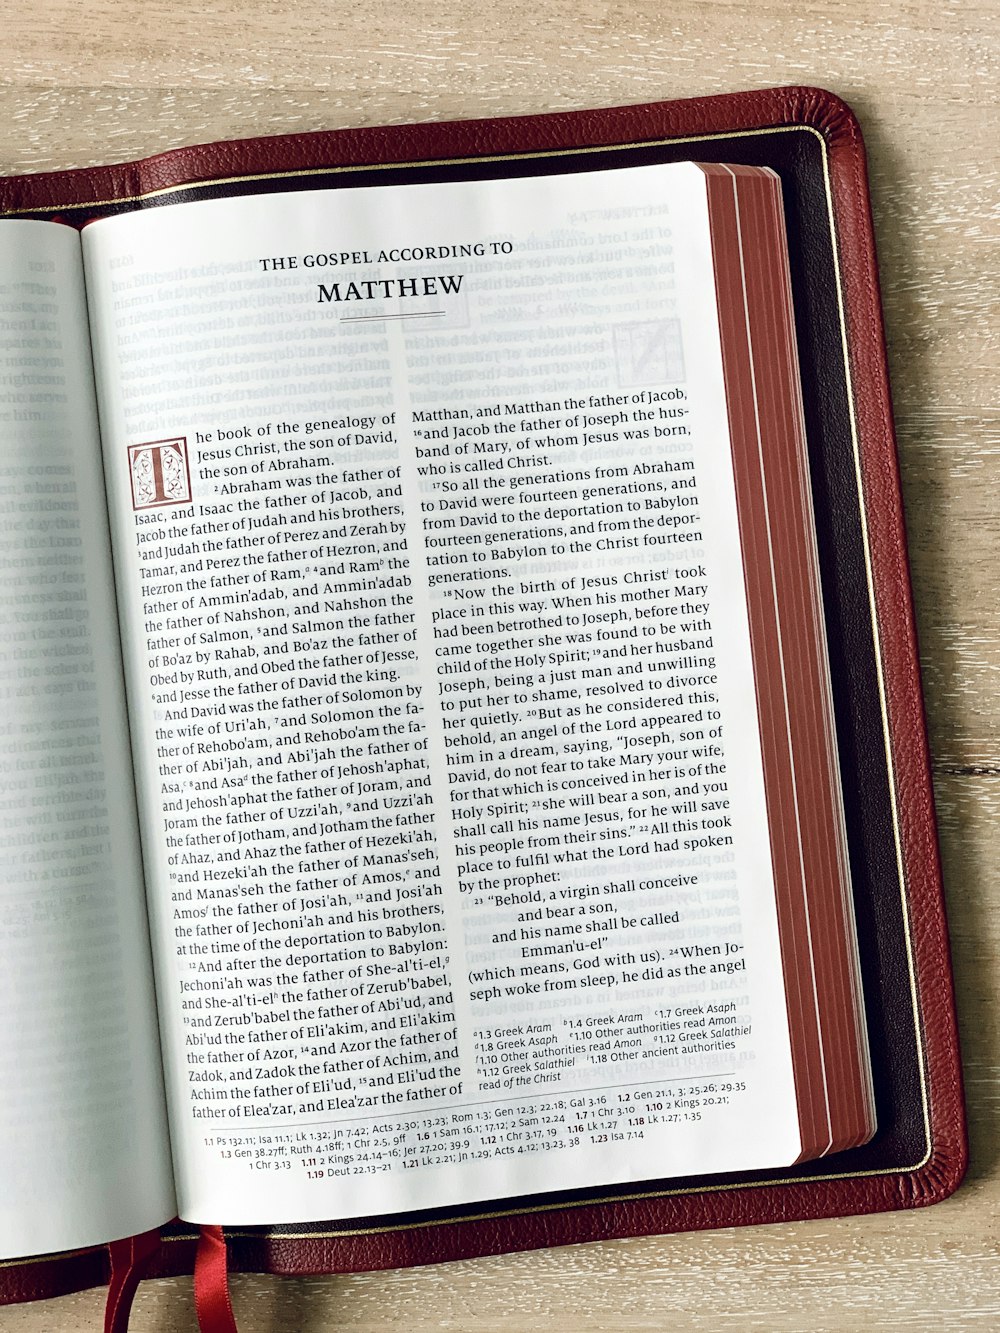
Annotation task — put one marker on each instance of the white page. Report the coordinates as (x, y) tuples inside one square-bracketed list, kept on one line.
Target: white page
[(443, 704), (84, 1154)]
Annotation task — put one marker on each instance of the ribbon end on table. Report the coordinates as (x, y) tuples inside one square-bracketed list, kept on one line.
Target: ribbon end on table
[(211, 1283)]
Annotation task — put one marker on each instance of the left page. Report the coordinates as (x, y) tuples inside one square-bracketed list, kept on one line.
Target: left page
[(84, 1150)]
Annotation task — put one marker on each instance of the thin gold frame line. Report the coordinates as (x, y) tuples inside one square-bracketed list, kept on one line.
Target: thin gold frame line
[(877, 639), (346, 169), (866, 543)]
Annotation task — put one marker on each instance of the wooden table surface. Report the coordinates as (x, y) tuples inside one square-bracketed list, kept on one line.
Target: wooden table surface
[(107, 81)]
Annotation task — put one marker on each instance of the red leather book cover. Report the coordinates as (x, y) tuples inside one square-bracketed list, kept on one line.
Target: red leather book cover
[(814, 144)]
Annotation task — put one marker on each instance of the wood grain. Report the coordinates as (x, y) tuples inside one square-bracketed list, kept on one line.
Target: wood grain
[(87, 84)]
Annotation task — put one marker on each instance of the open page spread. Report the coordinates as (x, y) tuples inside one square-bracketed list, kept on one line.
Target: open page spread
[(442, 701), (84, 1155)]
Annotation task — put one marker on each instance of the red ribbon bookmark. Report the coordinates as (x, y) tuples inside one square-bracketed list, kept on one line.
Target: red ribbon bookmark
[(129, 1260), (211, 1283)]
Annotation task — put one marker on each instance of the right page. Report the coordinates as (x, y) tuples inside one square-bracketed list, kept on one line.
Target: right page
[(445, 706)]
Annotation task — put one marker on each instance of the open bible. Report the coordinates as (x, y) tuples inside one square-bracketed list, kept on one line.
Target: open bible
[(422, 784)]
